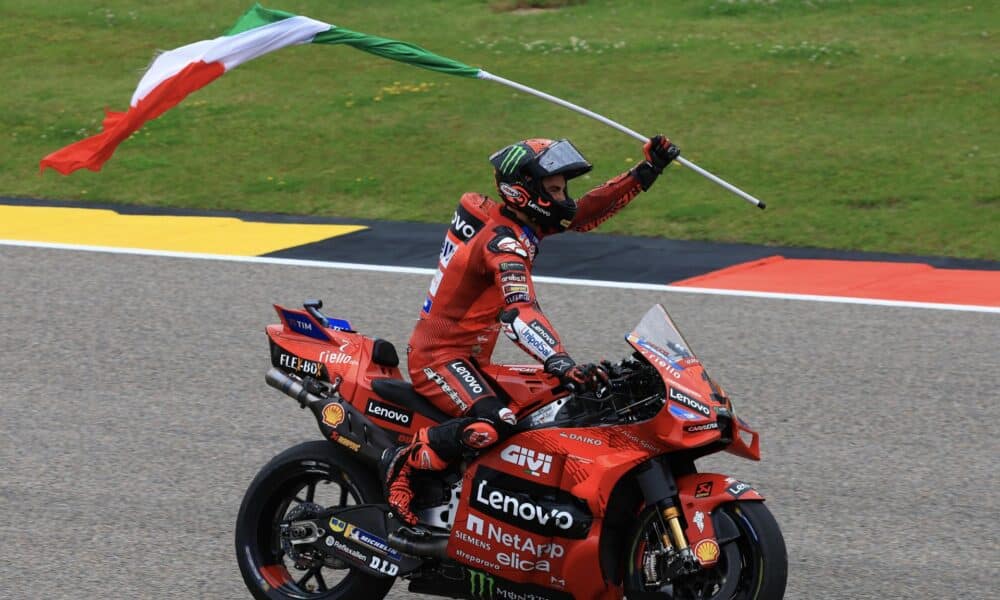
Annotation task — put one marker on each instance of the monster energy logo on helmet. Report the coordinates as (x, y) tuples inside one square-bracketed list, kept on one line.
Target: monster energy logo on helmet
[(513, 157), (480, 584)]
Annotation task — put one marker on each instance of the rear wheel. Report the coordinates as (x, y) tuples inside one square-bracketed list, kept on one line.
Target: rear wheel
[(753, 565), (305, 478)]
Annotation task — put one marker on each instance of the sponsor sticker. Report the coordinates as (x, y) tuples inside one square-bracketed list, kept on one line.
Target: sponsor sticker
[(483, 586), (348, 443), (664, 354), (738, 488), (509, 245), (707, 551), (297, 364), (384, 566), (543, 332), (511, 191), (699, 520), (336, 525), (448, 249), (389, 412), (535, 463), (703, 427), (436, 282), (683, 398), (336, 358), (514, 288), (513, 278), (437, 378), (515, 298), (472, 385), (347, 551), (299, 323), (512, 266), (680, 413), (372, 541), (464, 224), (333, 414), (540, 509), (576, 437), (475, 524), (534, 342), (703, 489)]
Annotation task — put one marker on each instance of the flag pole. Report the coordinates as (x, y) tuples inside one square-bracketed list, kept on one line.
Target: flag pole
[(630, 132)]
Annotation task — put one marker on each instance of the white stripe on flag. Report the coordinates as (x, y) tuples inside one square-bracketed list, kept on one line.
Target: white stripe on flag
[(231, 51)]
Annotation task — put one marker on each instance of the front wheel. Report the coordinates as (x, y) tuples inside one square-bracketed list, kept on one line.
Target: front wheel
[(753, 565), (306, 478)]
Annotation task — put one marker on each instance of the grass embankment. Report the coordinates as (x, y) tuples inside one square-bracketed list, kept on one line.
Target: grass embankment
[(866, 125)]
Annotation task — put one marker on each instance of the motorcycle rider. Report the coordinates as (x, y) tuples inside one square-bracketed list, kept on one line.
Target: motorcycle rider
[(483, 285)]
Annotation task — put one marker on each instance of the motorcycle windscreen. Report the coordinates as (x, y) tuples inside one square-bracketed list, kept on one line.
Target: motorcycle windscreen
[(657, 333)]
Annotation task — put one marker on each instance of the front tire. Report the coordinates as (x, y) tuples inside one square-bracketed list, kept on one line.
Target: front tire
[(310, 474), (752, 566)]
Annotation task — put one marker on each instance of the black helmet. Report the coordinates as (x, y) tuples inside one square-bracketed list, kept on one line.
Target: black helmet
[(519, 170)]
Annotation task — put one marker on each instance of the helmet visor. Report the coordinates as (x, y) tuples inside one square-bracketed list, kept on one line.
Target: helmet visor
[(562, 158)]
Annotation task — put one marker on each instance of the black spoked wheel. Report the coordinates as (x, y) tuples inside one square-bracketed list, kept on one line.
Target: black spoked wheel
[(296, 484), (753, 564)]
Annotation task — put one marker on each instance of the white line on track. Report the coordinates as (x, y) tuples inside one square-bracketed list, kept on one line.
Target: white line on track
[(541, 279)]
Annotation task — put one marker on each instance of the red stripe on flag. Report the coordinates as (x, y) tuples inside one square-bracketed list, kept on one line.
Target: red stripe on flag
[(93, 152)]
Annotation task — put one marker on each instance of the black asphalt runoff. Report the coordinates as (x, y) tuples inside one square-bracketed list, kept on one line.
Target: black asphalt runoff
[(592, 255)]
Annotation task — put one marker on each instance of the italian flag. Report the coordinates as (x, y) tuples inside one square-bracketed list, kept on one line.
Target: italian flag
[(179, 72)]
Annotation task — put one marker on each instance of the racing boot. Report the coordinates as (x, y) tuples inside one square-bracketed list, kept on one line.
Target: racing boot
[(397, 465)]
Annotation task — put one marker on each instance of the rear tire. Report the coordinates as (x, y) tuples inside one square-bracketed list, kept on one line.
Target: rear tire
[(753, 566), (312, 472)]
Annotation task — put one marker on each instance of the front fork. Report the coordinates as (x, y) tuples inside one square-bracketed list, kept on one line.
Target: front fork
[(659, 489)]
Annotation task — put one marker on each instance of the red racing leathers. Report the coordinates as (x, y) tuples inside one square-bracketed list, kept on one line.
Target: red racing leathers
[(482, 286)]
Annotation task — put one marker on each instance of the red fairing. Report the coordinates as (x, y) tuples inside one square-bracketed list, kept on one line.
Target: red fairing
[(528, 386), (700, 494), (347, 357), (544, 542), (533, 507), (740, 447)]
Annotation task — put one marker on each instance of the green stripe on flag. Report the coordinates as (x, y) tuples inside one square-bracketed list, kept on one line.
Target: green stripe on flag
[(258, 16), (396, 50), (404, 52)]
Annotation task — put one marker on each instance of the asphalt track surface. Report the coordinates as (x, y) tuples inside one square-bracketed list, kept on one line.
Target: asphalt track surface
[(134, 415)]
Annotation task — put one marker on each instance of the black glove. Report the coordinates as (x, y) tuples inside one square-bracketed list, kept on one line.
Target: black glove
[(577, 378), (659, 153)]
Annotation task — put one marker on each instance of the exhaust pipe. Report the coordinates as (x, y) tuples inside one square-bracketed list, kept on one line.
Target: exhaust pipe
[(429, 546), (288, 386), (355, 431)]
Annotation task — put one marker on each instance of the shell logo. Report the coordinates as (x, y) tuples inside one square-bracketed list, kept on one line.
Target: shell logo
[(333, 414), (707, 551)]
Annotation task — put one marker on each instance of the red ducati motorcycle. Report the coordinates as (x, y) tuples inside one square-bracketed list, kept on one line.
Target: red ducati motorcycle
[(594, 497)]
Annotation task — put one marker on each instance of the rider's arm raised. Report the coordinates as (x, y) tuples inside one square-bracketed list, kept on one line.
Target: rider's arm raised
[(601, 203)]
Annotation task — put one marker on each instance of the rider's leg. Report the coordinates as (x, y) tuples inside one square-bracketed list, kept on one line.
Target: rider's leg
[(487, 420)]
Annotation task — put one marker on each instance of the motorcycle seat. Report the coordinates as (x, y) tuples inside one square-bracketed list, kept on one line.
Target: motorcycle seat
[(402, 393)]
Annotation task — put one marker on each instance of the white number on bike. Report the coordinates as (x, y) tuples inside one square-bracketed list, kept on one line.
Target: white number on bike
[(384, 566)]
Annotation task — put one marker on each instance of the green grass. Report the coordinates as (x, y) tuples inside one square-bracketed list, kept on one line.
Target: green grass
[(871, 125)]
